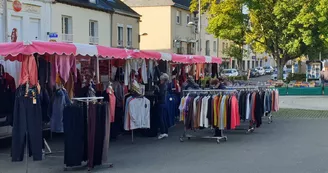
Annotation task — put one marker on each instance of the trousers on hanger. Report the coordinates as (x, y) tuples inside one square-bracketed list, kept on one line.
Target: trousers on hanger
[(27, 120)]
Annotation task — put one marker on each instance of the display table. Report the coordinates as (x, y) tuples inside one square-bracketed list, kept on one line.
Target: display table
[(305, 91)]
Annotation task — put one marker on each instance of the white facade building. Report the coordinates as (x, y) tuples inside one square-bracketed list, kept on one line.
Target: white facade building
[(32, 22)]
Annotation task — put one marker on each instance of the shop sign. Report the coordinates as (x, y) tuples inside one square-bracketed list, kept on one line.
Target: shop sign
[(253, 57), (17, 6), (52, 36)]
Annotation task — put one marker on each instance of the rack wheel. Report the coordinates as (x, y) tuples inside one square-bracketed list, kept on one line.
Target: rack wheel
[(189, 138), (218, 141), (111, 165), (181, 139), (225, 138)]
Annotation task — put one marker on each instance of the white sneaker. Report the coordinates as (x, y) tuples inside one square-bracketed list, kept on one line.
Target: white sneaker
[(166, 135), (161, 136)]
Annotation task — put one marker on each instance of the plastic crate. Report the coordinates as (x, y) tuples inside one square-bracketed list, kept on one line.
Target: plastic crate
[(305, 91)]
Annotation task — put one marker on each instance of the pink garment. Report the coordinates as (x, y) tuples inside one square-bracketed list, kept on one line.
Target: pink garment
[(63, 64), (276, 104), (112, 102), (235, 117), (29, 72)]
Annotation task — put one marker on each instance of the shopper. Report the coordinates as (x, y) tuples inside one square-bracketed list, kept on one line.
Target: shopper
[(162, 106)]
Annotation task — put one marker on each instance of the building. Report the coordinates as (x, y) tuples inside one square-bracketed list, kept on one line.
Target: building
[(103, 22), (166, 25), (30, 19), (82, 21), (125, 25), (209, 44)]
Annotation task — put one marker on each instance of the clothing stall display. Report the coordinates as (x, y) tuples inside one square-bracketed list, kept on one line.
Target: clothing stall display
[(27, 123), (216, 109), (137, 113), (87, 124), (60, 100)]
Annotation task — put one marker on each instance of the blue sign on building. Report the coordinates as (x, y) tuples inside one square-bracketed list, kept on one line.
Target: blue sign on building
[(53, 35)]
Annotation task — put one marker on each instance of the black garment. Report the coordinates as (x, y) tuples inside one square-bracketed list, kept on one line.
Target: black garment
[(162, 93), (116, 128), (91, 133), (74, 119), (45, 102), (7, 99), (99, 134), (27, 124), (209, 111), (259, 111), (163, 118), (44, 71)]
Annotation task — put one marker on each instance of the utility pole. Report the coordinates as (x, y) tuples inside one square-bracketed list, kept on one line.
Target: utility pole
[(199, 28)]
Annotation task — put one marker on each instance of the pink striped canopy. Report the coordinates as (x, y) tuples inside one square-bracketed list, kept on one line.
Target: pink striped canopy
[(12, 50)]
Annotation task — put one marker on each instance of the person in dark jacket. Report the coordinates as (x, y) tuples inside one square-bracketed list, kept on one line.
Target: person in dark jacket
[(162, 94)]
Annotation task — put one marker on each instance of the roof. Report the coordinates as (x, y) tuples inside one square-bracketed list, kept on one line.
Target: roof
[(184, 4), (120, 6), (101, 5)]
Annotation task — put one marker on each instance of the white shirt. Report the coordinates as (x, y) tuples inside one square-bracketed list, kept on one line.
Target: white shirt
[(248, 111), (203, 112), (139, 110)]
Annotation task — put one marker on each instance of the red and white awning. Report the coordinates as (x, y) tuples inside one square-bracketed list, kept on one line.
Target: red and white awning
[(12, 50)]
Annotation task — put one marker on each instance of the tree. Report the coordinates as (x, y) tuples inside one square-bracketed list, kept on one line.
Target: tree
[(236, 51), (287, 29)]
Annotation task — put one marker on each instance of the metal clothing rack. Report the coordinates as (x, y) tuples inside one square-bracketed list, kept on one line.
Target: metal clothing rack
[(218, 138), (88, 100), (266, 114)]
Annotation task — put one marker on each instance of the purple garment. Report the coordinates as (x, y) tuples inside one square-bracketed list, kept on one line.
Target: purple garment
[(63, 64)]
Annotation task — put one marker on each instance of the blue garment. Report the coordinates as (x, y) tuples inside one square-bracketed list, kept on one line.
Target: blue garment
[(60, 101)]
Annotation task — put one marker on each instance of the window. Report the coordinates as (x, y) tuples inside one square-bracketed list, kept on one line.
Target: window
[(214, 46), (129, 36), (120, 35), (253, 64), (178, 19), (208, 51), (188, 19), (248, 64), (67, 29), (93, 32)]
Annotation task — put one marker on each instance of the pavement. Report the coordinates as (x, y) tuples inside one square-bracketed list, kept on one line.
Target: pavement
[(294, 143), (304, 102)]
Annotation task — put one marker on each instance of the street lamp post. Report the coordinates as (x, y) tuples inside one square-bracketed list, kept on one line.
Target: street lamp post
[(199, 28)]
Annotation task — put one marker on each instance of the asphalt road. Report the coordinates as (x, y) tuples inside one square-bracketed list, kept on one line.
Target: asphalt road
[(260, 78), (294, 144)]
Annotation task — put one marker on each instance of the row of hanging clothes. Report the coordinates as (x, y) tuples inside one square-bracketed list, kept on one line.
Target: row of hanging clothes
[(254, 104), (87, 133), (218, 110)]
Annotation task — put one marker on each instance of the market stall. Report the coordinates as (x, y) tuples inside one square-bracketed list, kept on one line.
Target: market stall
[(51, 75)]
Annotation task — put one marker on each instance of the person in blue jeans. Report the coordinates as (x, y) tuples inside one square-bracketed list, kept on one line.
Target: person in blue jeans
[(162, 106)]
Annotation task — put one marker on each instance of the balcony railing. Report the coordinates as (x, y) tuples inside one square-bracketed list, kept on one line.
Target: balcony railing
[(120, 43), (129, 44), (94, 40), (67, 38)]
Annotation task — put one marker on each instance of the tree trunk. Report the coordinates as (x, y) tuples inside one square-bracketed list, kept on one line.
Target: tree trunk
[(299, 67), (281, 64)]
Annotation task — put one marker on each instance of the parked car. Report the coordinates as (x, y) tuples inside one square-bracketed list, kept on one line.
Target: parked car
[(261, 71), (274, 76), (230, 72), (268, 69), (254, 73)]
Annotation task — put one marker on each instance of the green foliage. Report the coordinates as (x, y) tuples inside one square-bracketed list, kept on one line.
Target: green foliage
[(236, 51), (296, 77), (287, 29)]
